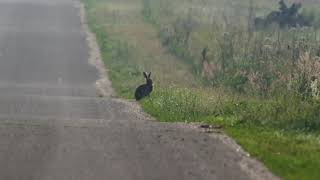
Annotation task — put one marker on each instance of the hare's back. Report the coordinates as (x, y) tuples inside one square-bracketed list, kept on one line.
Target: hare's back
[(142, 91)]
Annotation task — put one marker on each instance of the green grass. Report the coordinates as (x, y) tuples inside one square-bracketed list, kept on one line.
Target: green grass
[(192, 105), (277, 131), (293, 156)]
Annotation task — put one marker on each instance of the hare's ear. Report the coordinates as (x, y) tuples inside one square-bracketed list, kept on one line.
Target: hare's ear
[(149, 75), (145, 75)]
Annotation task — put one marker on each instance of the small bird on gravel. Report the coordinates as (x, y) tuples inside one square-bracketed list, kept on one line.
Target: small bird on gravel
[(209, 128)]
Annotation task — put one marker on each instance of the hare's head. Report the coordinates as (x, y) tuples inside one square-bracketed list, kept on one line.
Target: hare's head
[(147, 76)]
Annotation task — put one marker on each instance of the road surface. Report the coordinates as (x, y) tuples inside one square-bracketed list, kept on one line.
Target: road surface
[(53, 126)]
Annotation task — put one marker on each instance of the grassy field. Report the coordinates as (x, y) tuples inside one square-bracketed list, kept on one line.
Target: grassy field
[(277, 126), (130, 46)]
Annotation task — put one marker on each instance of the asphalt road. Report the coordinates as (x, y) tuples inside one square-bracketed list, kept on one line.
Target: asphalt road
[(54, 127)]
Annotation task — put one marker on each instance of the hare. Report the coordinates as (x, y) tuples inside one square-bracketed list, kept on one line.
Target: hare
[(145, 89)]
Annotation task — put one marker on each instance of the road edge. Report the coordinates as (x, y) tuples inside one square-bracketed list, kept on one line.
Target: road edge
[(253, 167), (103, 84)]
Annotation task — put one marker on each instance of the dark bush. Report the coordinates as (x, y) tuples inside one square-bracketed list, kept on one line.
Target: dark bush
[(285, 17)]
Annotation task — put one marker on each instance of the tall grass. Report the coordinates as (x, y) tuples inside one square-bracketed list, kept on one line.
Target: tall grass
[(256, 62), (199, 105)]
